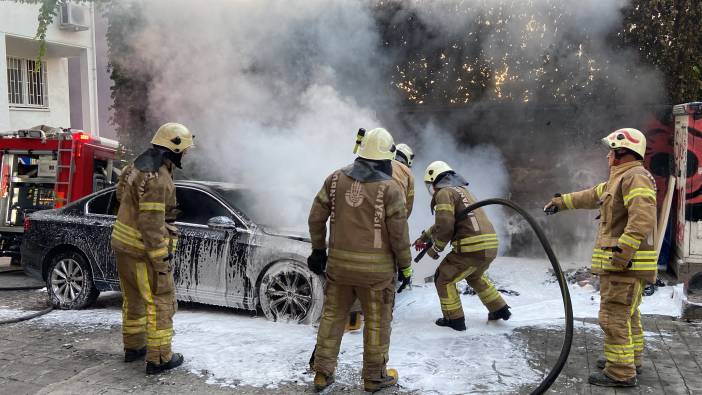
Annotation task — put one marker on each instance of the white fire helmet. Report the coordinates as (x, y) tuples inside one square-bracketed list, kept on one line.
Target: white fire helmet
[(376, 144), (173, 136), (434, 170), (405, 153), (628, 138)]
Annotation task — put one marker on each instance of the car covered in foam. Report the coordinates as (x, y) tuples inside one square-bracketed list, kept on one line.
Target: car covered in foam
[(226, 255)]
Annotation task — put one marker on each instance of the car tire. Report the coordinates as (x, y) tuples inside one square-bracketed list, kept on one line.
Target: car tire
[(290, 292), (69, 281)]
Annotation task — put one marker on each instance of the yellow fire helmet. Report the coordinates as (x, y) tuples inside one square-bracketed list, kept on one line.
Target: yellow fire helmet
[(404, 154), (174, 136), (434, 170), (629, 138), (376, 144)]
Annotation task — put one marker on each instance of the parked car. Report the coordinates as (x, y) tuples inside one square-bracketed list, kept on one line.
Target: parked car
[(224, 255)]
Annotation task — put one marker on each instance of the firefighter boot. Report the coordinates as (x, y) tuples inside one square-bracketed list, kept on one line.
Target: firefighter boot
[(502, 313), (376, 385), (602, 380), (322, 381), (176, 360), (134, 355), (354, 323), (602, 361), (458, 324)]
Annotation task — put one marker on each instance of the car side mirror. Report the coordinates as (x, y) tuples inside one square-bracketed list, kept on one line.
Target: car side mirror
[(221, 222)]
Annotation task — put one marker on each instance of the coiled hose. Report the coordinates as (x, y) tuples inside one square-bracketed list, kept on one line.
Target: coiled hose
[(567, 305), (23, 288)]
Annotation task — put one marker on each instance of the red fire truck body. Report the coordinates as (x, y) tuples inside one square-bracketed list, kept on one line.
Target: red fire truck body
[(44, 168)]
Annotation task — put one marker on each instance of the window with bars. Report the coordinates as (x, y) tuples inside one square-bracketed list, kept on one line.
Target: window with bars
[(26, 83)]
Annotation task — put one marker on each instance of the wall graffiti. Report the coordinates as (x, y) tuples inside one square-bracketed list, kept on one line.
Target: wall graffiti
[(659, 160)]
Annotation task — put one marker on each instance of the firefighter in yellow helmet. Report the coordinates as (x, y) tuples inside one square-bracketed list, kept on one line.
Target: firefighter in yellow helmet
[(474, 247), (368, 244), (624, 255), (403, 175), (144, 239)]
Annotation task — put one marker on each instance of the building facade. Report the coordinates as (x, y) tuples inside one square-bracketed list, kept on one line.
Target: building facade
[(62, 89)]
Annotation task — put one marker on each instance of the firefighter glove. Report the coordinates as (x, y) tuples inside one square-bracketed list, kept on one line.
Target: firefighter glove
[(406, 277), (317, 262), (554, 205), (421, 242), (433, 252), (621, 257)]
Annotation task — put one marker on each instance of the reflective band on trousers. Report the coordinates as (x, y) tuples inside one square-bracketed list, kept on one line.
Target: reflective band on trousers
[(619, 353), (476, 243), (643, 260), (362, 261)]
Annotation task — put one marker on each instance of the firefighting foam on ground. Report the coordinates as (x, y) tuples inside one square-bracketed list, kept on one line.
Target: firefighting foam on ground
[(288, 119)]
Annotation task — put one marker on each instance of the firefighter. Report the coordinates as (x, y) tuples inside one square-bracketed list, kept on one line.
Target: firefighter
[(474, 245), (144, 239), (624, 255), (403, 175), (368, 244)]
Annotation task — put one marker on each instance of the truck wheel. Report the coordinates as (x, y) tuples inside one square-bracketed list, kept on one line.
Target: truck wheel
[(290, 292), (69, 281)]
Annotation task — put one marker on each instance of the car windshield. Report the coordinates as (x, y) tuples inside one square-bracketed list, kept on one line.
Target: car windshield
[(269, 208)]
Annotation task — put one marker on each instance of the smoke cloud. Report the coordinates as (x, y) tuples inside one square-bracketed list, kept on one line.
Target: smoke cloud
[(275, 92)]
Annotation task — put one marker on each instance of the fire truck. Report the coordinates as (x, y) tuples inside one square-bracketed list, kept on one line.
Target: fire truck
[(44, 168)]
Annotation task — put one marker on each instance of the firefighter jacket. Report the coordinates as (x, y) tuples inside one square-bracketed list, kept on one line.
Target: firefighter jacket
[(403, 175), (147, 200), (627, 203), (470, 234), (368, 230)]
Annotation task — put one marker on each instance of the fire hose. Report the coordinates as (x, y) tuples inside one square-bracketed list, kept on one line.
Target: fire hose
[(28, 316), (567, 306)]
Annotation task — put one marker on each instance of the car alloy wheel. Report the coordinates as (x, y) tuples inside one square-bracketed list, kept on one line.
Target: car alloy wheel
[(67, 280), (290, 295), (289, 292)]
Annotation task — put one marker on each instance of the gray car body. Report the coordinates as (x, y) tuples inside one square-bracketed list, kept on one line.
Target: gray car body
[(211, 265)]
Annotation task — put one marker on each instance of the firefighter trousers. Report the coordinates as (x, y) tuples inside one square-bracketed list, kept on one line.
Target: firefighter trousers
[(148, 306), (620, 319), (471, 267), (377, 305)]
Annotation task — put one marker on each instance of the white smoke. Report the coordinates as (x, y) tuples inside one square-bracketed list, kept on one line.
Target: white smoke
[(276, 90), (275, 93)]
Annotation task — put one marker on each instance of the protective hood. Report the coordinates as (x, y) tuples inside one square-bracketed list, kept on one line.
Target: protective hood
[(150, 160), (367, 170), (451, 179), (400, 157)]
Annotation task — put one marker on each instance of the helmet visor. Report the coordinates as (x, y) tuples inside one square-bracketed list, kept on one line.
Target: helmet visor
[(430, 187)]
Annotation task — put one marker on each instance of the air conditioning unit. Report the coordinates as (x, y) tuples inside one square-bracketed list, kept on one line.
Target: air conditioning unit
[(73, 17)]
